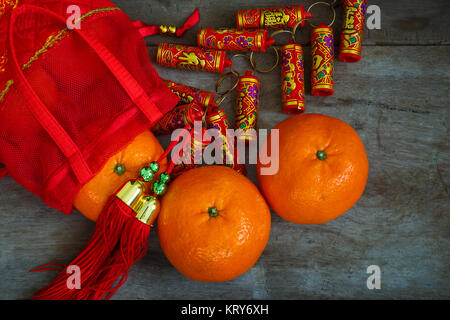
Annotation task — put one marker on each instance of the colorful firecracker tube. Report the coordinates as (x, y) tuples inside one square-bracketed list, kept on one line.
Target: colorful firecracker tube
[(219, 120), (234, 40), (187, 94), (352, 30), (192, 58), (292, 79), (199, 141), (178, 118), (247, 105), (322, 52), (272, 18)]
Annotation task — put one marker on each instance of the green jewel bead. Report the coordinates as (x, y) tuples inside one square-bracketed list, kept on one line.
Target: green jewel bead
[(164, 177), (147, 174), (159, 187), (154, 166)]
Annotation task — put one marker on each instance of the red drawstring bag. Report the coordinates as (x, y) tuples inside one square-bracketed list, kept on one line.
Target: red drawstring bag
[(69, 100)]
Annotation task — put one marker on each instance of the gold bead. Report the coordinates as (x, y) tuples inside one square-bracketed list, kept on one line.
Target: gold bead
[(163, 28), (172, 29)]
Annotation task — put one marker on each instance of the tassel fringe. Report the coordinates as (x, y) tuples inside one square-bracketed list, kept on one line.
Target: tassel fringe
[(107, 234)]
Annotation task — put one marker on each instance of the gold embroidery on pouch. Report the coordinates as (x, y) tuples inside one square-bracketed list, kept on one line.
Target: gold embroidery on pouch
[(7, 4), (50, 42)]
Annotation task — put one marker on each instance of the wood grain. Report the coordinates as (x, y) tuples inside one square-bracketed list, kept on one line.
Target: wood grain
[(397, 98), (403, 22)]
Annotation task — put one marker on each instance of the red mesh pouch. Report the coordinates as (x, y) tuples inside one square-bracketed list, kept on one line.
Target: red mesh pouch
[(70, 99)]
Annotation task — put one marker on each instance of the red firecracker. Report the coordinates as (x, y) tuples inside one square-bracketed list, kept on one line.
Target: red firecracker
[(292, 79), (219, 121), (247, 105), (272, 18), (192, 58), (188, 94), (234, 40), (178, 118), (199, 141), (322, 71), (352, 30)]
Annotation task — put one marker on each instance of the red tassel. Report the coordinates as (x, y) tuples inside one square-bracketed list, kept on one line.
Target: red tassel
[(120, 239), (133, 246), (108, 231)]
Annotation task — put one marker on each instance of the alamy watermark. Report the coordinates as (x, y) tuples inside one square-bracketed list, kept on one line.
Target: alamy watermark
[(74, 280), (216, 142), (374, 280), (74, 20), (373, 15)]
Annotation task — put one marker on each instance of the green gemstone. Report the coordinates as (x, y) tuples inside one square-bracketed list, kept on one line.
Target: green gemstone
[(147, 174), (154, 166), (165, 177), (159, 188)]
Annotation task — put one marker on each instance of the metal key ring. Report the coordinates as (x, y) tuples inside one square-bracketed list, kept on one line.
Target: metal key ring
[(246, 56), (331, 5), (253, 63), (275, 33), (294, 31), (222, 78)]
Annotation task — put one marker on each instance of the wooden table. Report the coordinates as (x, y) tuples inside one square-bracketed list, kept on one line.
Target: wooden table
[(396, 97)]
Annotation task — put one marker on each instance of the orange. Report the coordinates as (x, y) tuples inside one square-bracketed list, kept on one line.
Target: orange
[(121, 167), (214, 224), (323, 169)]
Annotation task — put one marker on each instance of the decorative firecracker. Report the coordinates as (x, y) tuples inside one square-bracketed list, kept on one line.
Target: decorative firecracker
[(199, 141), (322, 52), (292, 79), (352, 30), (272, 18), (179, 117), (192, 58), (187, 94), (219, 120), (247, 105), (234, 40)]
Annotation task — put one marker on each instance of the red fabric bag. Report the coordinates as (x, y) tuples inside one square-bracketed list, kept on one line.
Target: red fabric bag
[(70, 99)]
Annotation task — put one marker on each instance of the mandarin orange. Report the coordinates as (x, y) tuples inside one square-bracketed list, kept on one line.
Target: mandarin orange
[(214, 224), (121, 167), (323, 169)]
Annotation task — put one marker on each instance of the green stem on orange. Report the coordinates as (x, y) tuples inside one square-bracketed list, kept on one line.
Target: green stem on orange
[(119, 169), (321, 155), (213, 212)]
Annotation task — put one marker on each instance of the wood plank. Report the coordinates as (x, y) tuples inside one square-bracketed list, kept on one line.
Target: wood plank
[(402, 22), (398, 102)]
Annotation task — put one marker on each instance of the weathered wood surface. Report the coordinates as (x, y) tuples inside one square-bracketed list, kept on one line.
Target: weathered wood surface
[(403, 22), (397, 98)]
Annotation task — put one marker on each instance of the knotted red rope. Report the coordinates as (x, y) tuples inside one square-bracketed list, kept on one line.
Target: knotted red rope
[(149, 30)]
